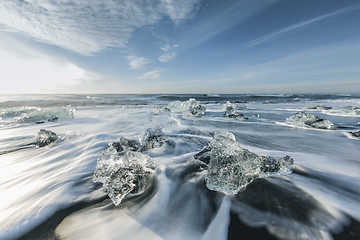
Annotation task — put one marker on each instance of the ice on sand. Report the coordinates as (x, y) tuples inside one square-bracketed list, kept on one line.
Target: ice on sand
[(231, 168)]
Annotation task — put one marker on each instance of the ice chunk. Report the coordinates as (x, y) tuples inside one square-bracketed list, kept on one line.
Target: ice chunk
[(192, 105), (310, 120), (160, 109), (154, 137), (53, 118), (128, 144), (231, 168), (355, 134), (352, 110), (319, 107), (122, 174), (272, 166), (235, 106), (231, 113), (203, 157), (323, 124), (45, 137), (197, 110)]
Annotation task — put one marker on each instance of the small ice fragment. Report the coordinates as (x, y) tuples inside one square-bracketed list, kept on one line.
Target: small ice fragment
[(160, 109), (272, 166), (203, 157), (231, 168), (355, 134), (322, 124), (310, 120), (231, 113), (122, 174), (352, 110), (53, 118), (319, 107), (45, 137), (154, 137), (235, 106)]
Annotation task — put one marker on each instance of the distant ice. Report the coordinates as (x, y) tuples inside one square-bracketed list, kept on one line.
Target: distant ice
[(189, 107), (310, 120)]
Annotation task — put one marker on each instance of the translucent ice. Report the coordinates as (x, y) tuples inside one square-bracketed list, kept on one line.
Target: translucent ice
[(192, 105), (352, 109), (231, 168), (310, 120), (319, 107), (231, 113), (235, 106), (272, 166), (160, 109), (45, 137), (122, 173), (154, 137), (197, 110)]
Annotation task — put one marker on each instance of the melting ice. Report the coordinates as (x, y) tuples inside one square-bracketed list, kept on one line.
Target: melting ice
[(45, 137), (123, 171), (231, 168), (189, 107), (310, 120)]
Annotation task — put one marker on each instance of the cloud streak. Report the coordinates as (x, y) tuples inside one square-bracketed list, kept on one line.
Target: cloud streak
[(87, 27), (153, 75), (137, 62), (302, 25), (166, 57)]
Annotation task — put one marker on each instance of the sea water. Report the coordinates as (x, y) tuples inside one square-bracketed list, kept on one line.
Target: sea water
[(49, 192)]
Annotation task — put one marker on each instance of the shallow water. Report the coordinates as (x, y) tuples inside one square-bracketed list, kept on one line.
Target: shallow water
[(317, 201)]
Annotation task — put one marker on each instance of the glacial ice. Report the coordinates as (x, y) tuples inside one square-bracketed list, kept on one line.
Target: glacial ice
[(39, 115), (310, 120), (53, 118), (45, 137), (231, 168), (235, 106), (352, 109), (355, 134), (319, 107), (160, 109), (231, 113), (122, 172), (154, 137), (122, 168), (192, 105)]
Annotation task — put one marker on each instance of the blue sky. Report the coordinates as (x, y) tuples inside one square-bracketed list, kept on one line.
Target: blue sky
[(180, 46)]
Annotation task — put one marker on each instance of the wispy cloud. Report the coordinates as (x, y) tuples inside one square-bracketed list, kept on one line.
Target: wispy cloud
[(302, 25), (167, 47), (155, 74), (166, 57), (137, 62), (223, 19), (167, 54), (87, 27)]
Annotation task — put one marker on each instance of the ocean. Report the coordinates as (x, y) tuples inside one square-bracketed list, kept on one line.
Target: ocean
[(49, 191)]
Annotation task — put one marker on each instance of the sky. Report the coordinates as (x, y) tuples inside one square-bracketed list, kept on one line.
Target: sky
[(179, 46)]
